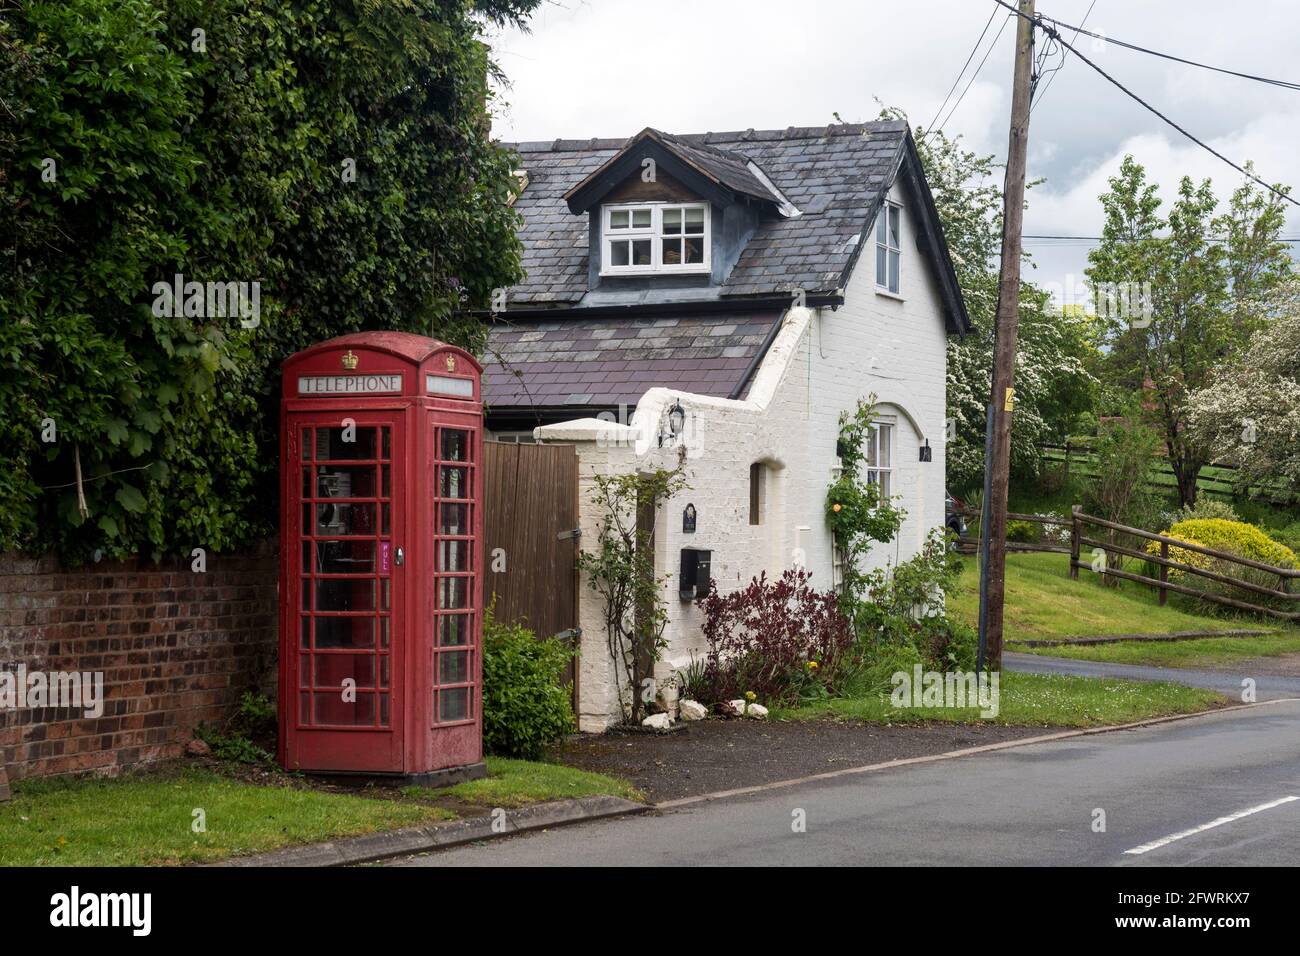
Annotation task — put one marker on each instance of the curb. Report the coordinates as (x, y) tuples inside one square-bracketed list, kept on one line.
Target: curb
[(384, 845), (954, 754), (1137, 638)]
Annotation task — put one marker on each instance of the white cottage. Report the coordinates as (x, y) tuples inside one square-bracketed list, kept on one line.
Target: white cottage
[(759, 283)]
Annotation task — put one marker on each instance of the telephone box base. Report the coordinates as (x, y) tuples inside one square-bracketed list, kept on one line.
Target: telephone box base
[(446, 777)]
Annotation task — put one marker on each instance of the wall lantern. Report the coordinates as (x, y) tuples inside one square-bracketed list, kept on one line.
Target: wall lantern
[(926, 451), (676, 422)]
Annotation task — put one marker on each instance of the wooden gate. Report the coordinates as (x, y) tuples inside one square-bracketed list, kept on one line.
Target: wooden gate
[(530, 511)]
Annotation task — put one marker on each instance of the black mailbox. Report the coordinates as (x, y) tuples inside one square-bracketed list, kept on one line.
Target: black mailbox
[(693, 581)]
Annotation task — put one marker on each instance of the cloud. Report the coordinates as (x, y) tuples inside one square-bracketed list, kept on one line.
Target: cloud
[(613, 67)]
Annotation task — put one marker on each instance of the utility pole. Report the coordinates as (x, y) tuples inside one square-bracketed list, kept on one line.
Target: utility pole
[(997, 463)]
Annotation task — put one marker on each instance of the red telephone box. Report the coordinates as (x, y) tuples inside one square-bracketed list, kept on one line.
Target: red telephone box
[(380, 569)]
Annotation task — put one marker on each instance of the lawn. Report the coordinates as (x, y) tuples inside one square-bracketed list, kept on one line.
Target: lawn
[(1043, 603), (147, 818), (517, 783), (1045, 700)]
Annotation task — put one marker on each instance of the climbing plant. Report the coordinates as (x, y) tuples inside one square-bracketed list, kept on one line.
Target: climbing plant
[(621, 570), (858, 514)]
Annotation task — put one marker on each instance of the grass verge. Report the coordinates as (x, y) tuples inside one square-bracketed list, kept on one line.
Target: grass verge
[(148, 818), (1043, 603), (1035, 700), (517, 783)]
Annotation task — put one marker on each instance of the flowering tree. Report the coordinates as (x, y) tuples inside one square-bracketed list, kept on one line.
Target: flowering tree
[(1054, 383), (1251, 413), (1202, 275)]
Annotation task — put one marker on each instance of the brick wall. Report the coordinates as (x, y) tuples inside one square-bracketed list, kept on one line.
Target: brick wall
[(176, 648)]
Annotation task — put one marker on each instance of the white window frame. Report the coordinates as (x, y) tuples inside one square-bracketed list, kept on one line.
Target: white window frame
[(654, 232), (876, 472), (883, 245)]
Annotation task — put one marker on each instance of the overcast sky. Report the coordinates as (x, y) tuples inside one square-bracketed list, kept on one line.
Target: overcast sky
[(612, 67)]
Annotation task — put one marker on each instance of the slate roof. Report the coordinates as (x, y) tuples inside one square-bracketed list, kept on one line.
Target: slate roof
[(603, 362), (726, 168), (835, 175)]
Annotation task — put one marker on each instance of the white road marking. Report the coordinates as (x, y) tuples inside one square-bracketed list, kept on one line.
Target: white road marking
[(1165, 841)]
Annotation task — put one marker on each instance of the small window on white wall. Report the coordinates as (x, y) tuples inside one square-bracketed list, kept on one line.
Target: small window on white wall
[(880, 457), (889, 229), (757, 492)]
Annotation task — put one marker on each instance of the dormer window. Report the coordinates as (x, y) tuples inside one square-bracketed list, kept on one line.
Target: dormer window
[(655, 237)]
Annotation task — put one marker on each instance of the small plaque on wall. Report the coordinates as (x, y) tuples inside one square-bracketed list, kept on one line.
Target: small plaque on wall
[(688, 520)]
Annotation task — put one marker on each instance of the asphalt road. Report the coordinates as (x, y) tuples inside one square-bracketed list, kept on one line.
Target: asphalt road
[(1227, 681), (1031, 805)]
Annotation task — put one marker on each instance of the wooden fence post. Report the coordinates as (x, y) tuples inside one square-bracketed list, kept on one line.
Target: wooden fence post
[(1164, 572), (1074, 541)]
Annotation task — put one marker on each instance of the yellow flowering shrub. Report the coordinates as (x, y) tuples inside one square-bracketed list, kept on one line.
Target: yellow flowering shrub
[(1233, 537)]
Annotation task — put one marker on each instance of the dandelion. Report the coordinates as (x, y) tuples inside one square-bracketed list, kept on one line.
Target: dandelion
[(750, 696)]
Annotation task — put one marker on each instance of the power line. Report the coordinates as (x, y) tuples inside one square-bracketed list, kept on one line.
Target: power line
[(1286, 84), (960, 74), (1051, 31), (974, 75), (1102, 238), (1059, 68)]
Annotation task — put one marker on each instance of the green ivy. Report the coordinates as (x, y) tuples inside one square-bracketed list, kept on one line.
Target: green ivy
[(220, 155)]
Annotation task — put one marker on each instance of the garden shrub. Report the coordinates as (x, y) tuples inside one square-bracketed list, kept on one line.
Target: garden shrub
[(248, 736), (1233, 537), (1120, 489), (950, 645), (783, 640), (1023, 531), (899, 600), (526, 708), (1205, 508), (1288, 536)]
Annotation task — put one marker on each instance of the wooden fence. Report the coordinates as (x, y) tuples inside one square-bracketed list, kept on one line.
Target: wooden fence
[(1218, 478), (1282, 592), (971, 545), (1079, 523), (530, 512)]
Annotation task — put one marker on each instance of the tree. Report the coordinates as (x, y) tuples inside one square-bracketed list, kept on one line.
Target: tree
[(1056, 347), (1190, 294), (1250, 413), (336, 153)]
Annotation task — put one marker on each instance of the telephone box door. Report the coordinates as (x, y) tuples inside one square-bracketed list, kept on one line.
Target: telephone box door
[(346, 500)]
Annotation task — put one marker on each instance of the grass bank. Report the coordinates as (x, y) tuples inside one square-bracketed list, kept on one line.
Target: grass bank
[(1041, 700), (187, 814), (1043, 603)]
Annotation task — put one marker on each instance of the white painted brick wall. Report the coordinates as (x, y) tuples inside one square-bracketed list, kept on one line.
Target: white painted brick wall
[(820, 365)]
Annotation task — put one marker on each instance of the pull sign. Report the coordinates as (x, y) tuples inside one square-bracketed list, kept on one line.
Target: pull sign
[(1010, 402), (385, 557)]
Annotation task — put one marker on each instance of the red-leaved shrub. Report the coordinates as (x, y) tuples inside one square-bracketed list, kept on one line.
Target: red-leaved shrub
[(779, 639)]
